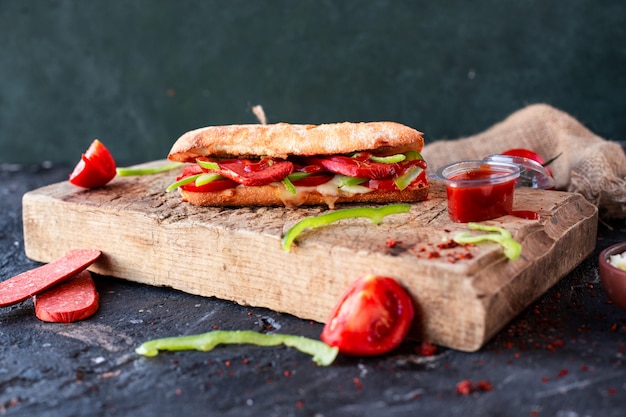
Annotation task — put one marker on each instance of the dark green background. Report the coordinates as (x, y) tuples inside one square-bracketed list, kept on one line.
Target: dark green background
[(138, 73)]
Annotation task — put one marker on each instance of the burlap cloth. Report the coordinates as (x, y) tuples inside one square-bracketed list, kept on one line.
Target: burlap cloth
[(588, 164)]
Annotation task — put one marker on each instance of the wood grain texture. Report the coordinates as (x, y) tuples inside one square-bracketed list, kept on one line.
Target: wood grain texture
[(149, 236)]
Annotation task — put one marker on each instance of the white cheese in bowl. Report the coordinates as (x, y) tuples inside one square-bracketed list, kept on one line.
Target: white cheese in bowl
[(618, 261)]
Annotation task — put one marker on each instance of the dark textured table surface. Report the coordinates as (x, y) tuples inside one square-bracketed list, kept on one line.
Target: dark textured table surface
[(564, 356)]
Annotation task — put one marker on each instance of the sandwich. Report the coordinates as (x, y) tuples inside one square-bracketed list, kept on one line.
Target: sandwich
[(300, 164)]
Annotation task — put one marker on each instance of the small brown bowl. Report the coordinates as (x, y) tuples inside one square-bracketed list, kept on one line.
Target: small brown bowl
[(613, 279)]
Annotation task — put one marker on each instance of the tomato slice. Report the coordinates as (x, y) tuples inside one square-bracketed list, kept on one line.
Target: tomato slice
[(372, 317), (95, 168)]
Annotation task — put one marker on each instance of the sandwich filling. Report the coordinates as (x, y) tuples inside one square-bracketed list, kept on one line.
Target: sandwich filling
[(359, 172)]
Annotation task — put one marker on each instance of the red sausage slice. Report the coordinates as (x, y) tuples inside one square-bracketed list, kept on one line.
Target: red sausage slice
[(29, 283), (72, 300)]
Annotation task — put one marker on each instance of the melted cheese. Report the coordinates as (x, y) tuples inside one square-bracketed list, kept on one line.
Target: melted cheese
[(331, 190)]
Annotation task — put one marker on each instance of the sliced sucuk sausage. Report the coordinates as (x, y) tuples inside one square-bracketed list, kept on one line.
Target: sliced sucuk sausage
[(29, 283), (72, 300)]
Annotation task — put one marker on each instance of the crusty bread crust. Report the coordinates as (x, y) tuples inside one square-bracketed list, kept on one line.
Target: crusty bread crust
[(273, 195), (283, 139)]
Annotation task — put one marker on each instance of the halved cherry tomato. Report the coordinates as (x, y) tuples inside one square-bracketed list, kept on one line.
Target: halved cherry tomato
[(527, 153), (372, 317), (95, 168)]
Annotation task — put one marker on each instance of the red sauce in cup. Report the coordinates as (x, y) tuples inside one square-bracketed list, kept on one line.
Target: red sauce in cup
[(478, 190)]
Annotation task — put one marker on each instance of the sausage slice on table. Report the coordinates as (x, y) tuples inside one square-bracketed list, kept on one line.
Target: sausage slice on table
[(72, 300), (30, 283)]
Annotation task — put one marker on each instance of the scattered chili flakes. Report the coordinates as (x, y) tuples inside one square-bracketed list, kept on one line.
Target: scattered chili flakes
[(484, 385), (299, 404), (426, 349), (449, 249), (464, 387), (357, 383), (391, 243), (562, 373), (450, 244), (534, 413), (8, 404)]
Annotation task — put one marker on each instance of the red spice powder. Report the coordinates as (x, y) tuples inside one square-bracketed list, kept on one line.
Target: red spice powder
[(391, 243), (484, 386), (464, 387), (450, 244), (426, 349)]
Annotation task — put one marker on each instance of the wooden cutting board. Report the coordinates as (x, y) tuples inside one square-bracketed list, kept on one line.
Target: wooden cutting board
[(150, 236)]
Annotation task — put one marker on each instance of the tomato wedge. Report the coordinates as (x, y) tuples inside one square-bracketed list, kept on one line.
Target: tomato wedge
[(372, 317), (95, 168)]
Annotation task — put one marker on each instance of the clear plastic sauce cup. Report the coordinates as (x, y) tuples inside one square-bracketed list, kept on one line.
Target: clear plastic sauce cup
[(479, 190)]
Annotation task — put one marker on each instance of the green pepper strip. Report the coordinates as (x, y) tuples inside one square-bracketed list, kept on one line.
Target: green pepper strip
[(289, 185), (184, 181), (512, 248), (128, 172), (346, 181), (323, 354), (295, 176), (404, 180), (375, 214), (413, 155), (205, 178), (208, 165), (391, 159)]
